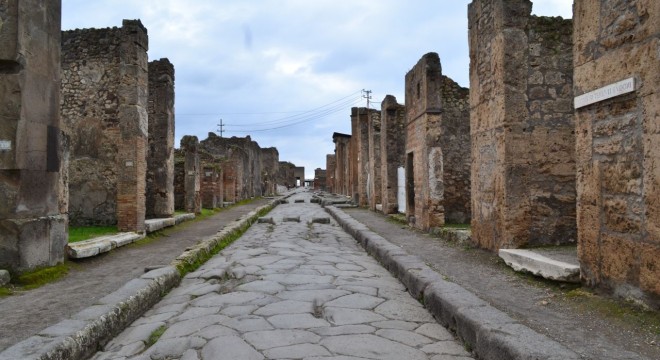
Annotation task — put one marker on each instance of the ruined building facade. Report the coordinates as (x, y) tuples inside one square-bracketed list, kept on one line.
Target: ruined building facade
[(437, 147), (343, 180), (374, 183), (523, 142), (618, 145), (33, 201), (104, 112), (393, 152), (270, 166)]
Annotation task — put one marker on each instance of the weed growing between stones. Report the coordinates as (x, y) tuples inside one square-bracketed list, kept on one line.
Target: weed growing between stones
[(80, 233), (155, 335), (42, 276)]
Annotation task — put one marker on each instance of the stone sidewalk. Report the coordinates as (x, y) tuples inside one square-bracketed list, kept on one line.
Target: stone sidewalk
[(294, 286)]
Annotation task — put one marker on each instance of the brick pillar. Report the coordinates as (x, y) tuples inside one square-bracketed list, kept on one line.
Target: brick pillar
[(133, 124), (160, 159), (522, 127), (374, 134), (393, 150), (330, 167), (33, 219), (618, 146), (361, 155), (193, 200)]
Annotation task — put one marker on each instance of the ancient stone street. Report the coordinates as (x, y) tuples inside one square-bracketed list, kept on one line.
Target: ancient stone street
[(294, 286)]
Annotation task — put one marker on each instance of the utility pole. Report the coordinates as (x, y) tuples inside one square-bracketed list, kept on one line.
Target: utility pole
[(367, 96), (220, 128)]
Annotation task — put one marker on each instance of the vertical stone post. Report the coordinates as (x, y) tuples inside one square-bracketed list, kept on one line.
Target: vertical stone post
[(193, 201), (375, 184), (522, 127), (361, 154), (352, 157), (618, 145), (330, 167), (393, 150), (160, 159), (33, 220), (343, 145)]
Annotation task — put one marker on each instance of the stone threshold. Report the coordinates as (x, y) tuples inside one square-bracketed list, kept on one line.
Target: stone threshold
[(103, 244), (559, 264)]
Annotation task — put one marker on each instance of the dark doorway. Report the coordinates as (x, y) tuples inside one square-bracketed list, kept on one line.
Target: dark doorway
[(410, 184)]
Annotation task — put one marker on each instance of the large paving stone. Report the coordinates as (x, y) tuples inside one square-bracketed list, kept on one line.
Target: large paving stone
[(285, 307), (397, 310), (296, 351), (343, 316), (296, 321), (371, 347), (277, 338), (355, 301), (405, 337), (229, 348)]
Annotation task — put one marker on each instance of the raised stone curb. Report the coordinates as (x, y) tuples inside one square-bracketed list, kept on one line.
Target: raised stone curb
[(491, 333), (80, 336), (178, 219), (83, 334), (101, 244), (151, 225)]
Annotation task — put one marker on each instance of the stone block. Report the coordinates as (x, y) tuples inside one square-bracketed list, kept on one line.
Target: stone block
[(539, 265), (5, 278)]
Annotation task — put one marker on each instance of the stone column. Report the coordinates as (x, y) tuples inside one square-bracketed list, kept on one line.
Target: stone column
[(618, 146), (330, 166), (361, 154), (374, 134), (193, 201), (160, 159), (522, 127), (393, 150), (33, 205)]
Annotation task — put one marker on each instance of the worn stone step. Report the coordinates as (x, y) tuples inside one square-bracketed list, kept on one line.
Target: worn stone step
[(540, 265)]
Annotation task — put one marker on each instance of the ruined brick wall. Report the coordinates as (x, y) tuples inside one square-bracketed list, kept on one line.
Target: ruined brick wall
[(523, 157), (330, 167), (618, 147), (160, 154), (343, 171), (192, 175), (360, 155), (352, 159), (179, 180), (33, 220), (211, 180), (374, 190), (285, 175), (393, 150), (270, 168), (320, 179), (104, 112)]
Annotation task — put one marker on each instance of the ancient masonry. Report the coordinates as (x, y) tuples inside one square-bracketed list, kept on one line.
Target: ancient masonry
[(299, 175), (270, 165), (211, 181), (330, 168), (160, 154), (342, 182), (617, 51), (192, 174), (104, 112), (437, 147), (33, 201), (393, 151), (285, 175), (360, 117), (374, 183), (320, 179), (522, 127)]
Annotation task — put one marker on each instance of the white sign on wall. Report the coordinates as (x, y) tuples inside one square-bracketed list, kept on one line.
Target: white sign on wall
[(606, 92), (401, 189), (5, 144)]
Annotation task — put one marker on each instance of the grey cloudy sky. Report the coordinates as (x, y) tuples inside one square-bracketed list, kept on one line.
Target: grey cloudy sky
[(287, 72)]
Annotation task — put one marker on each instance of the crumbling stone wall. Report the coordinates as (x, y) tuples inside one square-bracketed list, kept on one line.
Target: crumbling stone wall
[(299, 174), (353, 152), (360, 138), (320, 182), (179, 179), (270, 167), (211, 181), (104, 112), (192, 173), (285, 176), (330, 167), (343, 172), (160, 154), (437, 146), (374, 190), (33, 219), (618, 146), (393, 150), (523, 142)]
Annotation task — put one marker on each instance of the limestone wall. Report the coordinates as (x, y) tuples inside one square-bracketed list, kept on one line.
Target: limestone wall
[(618, 147), (393, 150), (343, 172), (33, 219), (330, 167), (104, 112), (374, 183), (360, 155), (522, 128), (192, 175), (160, 154), (270, 167)]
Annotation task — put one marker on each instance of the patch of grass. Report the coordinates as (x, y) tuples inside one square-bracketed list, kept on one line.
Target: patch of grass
[(39, 277), (397, 219), (5, 291), (625, 312), (80, 233), (155, 335), (457, 226)]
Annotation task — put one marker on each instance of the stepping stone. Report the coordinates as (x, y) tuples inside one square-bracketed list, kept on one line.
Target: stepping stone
[(321, 220), (291, 219), (265, 220)]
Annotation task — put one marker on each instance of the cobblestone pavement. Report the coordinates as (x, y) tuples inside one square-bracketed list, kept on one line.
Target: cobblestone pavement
[(298, 287)]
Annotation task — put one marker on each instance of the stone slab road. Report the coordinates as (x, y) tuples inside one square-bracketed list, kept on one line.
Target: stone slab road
[(295, 286)]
